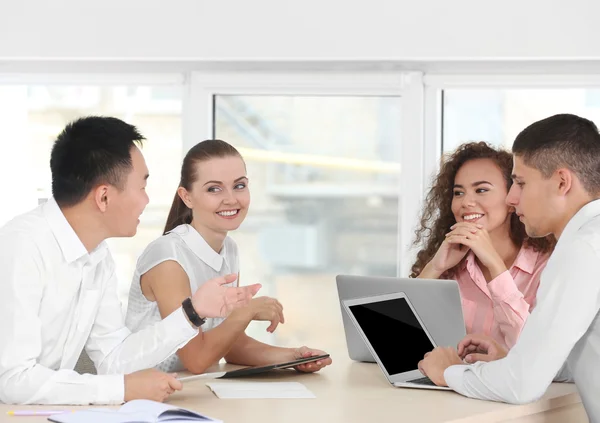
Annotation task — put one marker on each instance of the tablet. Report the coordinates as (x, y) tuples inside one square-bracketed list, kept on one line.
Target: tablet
[(252, 370)]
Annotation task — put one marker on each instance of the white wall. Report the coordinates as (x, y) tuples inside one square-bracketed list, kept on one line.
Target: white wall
[(299, 30)]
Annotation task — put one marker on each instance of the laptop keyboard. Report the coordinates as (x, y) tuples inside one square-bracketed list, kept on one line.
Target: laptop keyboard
[(422, 381)]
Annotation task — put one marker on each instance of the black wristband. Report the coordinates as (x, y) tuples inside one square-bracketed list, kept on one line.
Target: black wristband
[(191, 314)]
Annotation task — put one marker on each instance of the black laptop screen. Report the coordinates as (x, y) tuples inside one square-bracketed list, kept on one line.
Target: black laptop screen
[(394, 333)]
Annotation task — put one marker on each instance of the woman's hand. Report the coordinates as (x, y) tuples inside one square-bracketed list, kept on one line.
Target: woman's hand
[(266, 309), (446, 257), (313, 366), (473, 236)]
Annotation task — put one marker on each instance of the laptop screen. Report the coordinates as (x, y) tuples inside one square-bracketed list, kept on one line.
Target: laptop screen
[(394, 333)]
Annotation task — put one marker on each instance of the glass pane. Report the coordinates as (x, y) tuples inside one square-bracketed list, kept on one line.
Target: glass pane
[(324, 178), (32, 116), (497, 116)]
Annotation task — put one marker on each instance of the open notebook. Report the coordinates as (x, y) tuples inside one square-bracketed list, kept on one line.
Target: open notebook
[(136, 411)]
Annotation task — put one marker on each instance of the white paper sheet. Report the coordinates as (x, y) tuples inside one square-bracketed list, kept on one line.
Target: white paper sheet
[(214, 375), (238, 390)]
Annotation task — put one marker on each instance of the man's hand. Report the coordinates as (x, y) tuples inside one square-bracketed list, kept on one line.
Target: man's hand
[(150, 384), (267, 309), (213, 299), (313, 366), (475, 348), (436, 362)]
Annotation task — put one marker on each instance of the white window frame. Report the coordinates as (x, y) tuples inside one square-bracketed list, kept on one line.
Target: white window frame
[(490, 81), (434, 84), (84, 78), (203, 86), (107, 79)]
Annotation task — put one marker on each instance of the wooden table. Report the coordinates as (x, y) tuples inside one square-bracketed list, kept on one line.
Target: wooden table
[(348, 391), (358, 392)]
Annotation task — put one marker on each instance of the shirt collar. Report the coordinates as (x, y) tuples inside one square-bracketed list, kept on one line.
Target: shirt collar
[(579, 219), (525, 260), (200, 247), (68, 241)]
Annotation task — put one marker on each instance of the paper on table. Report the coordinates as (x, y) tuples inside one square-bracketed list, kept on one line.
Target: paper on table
[(229, 390), (214, 375)]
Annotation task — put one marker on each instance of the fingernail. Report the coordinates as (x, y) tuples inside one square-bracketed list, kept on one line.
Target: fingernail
[(468, 358)]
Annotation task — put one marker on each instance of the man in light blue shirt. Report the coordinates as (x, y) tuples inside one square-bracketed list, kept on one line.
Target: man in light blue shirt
[(556, 191)]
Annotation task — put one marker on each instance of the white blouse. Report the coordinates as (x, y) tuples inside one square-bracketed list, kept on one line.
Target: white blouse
[(199, 261)]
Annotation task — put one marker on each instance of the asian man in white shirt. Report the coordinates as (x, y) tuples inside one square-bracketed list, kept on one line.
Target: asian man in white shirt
[(556, 191), (58, 292)]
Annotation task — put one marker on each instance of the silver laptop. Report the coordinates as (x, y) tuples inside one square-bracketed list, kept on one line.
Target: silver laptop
[(437, 302), (395, 336)]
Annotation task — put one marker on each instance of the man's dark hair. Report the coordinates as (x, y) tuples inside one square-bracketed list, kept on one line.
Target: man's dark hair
[(90, 151), (562, 140)]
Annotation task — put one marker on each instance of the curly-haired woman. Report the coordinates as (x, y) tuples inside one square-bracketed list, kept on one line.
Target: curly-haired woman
[(468, 233)]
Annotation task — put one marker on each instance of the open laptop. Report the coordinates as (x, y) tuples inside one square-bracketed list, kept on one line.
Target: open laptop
[(395, 336), (437, 302)]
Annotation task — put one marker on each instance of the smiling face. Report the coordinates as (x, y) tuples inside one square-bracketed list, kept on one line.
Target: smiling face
[(125, 206), (219, 197), (479, 195)]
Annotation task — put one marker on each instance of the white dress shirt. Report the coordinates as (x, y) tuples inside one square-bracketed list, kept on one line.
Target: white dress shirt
[(199, 261), (55, 300), (561, 338)]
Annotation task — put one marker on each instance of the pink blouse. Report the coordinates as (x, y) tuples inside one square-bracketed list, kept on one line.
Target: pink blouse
[(501, 307)]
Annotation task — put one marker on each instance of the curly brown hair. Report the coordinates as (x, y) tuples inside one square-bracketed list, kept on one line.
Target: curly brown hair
[(437, 216)]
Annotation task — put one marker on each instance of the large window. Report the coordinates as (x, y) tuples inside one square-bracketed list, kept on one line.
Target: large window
[(324, 178), (324, 153), (31, 116), (498, 115)]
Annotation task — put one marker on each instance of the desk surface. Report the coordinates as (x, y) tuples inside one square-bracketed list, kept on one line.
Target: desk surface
[(357, 392), (347, 391)]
